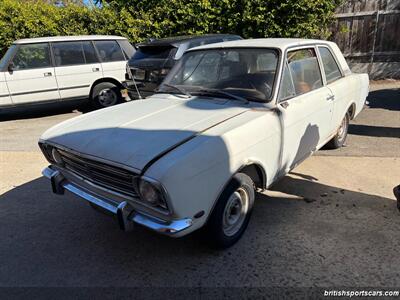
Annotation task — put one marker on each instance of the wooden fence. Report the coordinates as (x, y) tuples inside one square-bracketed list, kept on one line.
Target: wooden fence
[(368, 33)]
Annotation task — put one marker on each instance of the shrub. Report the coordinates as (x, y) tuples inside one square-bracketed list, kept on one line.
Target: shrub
[(35, 18), (141, 19)]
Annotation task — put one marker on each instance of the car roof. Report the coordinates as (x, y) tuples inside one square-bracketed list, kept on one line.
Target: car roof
[(279, 43), (68, 38), (176, 40)]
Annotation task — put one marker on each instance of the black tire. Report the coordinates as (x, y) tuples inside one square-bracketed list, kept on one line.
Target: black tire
[(105, 94), (340, 138), (218, 229)]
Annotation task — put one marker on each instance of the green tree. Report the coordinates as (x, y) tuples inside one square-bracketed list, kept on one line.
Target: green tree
[(140, 19), (249, 18)]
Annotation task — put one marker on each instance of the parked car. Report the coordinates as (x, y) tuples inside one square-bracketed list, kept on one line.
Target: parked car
[(64, 68), (229, 118), (153, 60)]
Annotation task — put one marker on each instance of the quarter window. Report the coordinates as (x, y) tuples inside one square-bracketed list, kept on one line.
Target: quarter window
[(109, 51), (32, 56), (331, 68), (287, 89), (304, 69), (68, 53)]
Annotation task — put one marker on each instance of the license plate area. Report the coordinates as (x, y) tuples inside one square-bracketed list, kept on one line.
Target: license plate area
[(124, 93)]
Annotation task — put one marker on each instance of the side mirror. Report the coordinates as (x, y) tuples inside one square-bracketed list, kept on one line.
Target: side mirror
[(10, 67)]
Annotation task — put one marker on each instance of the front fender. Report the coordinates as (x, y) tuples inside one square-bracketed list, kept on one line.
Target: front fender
[(195, 173)]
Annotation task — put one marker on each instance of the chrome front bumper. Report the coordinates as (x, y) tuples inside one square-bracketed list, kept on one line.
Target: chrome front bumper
[(126, 215)]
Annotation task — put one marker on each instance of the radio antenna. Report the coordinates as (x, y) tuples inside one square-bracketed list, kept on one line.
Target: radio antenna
[(128, 69)]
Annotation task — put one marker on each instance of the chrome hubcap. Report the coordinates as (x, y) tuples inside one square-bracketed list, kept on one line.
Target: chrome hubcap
[(235, 212), (107, 97)]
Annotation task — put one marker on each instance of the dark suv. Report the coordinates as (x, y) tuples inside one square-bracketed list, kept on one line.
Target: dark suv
[(153, 60)]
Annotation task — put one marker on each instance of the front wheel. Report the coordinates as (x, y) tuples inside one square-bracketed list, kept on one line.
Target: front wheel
[(338, 140), (232, 212), (105, 94)]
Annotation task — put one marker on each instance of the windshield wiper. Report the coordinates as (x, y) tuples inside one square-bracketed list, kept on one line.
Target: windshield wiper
[(224, 93), (180, 90)]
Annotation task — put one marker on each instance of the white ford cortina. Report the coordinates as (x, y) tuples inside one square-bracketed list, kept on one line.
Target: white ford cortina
[(228, 119)]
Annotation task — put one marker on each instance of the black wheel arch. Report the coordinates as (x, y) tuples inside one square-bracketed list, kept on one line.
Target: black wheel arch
[(252, 169), (105, 79)]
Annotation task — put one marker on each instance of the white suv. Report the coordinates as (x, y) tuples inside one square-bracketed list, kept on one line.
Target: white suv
[(52, 69)]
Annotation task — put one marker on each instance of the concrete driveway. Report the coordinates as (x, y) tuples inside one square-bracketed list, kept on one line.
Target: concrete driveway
[(332, 222)]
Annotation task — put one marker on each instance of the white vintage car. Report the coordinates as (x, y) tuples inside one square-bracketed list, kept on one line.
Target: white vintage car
[(229, 118)]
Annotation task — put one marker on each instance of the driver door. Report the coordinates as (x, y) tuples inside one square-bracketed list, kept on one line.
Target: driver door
[(306, 107), (32, 78)]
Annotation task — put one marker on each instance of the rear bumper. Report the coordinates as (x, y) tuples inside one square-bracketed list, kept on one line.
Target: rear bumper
[(126, 215)]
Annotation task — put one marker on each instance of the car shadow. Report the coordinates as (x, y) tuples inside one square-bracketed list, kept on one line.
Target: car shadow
[(378, 131), (59, 240), (40, 111), (384, 99)]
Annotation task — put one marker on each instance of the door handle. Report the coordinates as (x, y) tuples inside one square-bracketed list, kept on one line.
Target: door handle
[(95, 69), (47, 74), (330, 97)]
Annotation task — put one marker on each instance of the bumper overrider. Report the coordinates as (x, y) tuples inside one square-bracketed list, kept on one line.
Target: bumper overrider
[(126, 215)]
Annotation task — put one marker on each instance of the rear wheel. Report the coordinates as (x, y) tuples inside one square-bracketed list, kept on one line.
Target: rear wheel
[(105, 94), (338, 140), (232, 212)]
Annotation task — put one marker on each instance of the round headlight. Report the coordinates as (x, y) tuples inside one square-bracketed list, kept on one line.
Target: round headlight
[(56, 156), (152, 193), (149, 193)]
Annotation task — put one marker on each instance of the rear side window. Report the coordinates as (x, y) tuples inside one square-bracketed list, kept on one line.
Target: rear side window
[(109, 51), (304, 69), (32, 56), (68, 53), (89, 52), (331, 68)]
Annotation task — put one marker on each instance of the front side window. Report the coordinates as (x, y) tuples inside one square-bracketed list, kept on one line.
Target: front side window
[(304, 69), (331, 68), (68, 53), (109, 51), (243, 72), (32, 56)]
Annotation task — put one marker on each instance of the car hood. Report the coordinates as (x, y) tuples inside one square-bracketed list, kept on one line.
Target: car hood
[(134, 133)]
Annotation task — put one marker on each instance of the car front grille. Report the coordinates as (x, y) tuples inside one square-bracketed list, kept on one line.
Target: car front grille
[(104, 175)]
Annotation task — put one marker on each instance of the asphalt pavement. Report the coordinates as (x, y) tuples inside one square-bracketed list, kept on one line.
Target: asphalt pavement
[(332, 222)]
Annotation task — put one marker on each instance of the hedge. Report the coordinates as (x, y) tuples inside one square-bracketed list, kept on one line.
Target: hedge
[(34, 18), (141, 19)]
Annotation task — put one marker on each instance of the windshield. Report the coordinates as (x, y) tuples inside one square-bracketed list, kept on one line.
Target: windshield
[(242, 72), (153, 52), (6, 57)]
